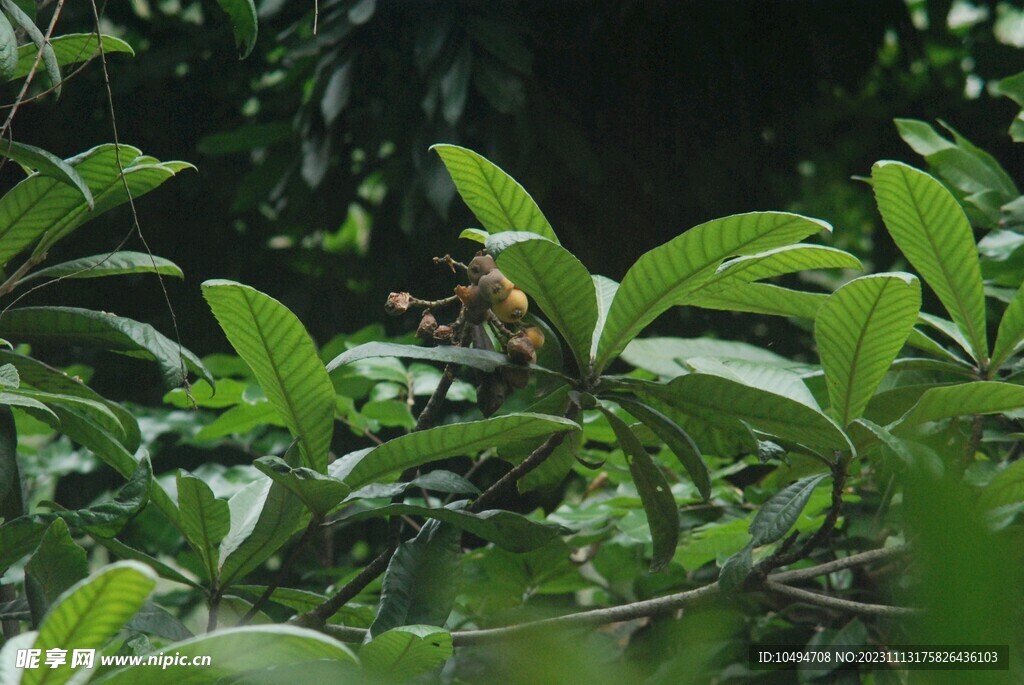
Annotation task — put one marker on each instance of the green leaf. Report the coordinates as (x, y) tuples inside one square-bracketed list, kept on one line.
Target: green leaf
[(964, 399), (205, 520), (668, 357), (40, 41), (474, 234), (107, 519), (272, 341), (736, 569), (110, 264), (964, 166), (777, 262), (674, 272), (774, 519), (35, 407), (264, 515), (90, 613), (655, 493), (9, 377), (762, 298), (235, 651), (41, 205), (560, 285), (1013, 88), (508, 530), (46, 164), (18, 538), (8, 49), (930, 228), (9, 671), (422, 580), (677, 440), (452, 440), (318, 492), (1011, 332), (57, 564), (98, 412), (71, 325), (773, 379), (604, 290), (123, 551), (244, 24), (712, 398), (403, 653), (241, 419), (156, 620), (70, 48), (495, 198), (61, 213), (40, 376), (484, 360), (1006, 487), (12, 502), (859, 331)]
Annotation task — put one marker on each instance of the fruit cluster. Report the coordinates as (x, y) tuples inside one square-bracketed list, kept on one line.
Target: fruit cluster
[(491, 299)]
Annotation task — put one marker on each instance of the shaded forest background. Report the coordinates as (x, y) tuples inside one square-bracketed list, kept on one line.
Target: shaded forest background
[(627, 121)]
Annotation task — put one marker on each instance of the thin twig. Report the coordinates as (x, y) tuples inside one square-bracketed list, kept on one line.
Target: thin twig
[(318, 616), (667, 604), (840, 564), (830, 602), (35, 65), (131, 200)]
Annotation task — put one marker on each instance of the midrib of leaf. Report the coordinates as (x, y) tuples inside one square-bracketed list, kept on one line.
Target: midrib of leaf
[(942, 266), (77, 623), (207, 543), (277, 518), (668, 293), (489, 178), (280, 382), (856, 355)]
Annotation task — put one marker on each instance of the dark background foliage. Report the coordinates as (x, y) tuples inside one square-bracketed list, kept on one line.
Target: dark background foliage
[(628, 122)]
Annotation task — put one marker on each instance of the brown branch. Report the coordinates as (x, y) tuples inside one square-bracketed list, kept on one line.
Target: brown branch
[(840, 564), (977, 432), (847, 605), (318, 616), (10, 627), (670, 603), (536, 458)]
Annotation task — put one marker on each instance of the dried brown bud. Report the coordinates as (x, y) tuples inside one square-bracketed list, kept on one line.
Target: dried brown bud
[(397, 304), (428, 324), (444, 334), (520, 350), (481, 265)]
